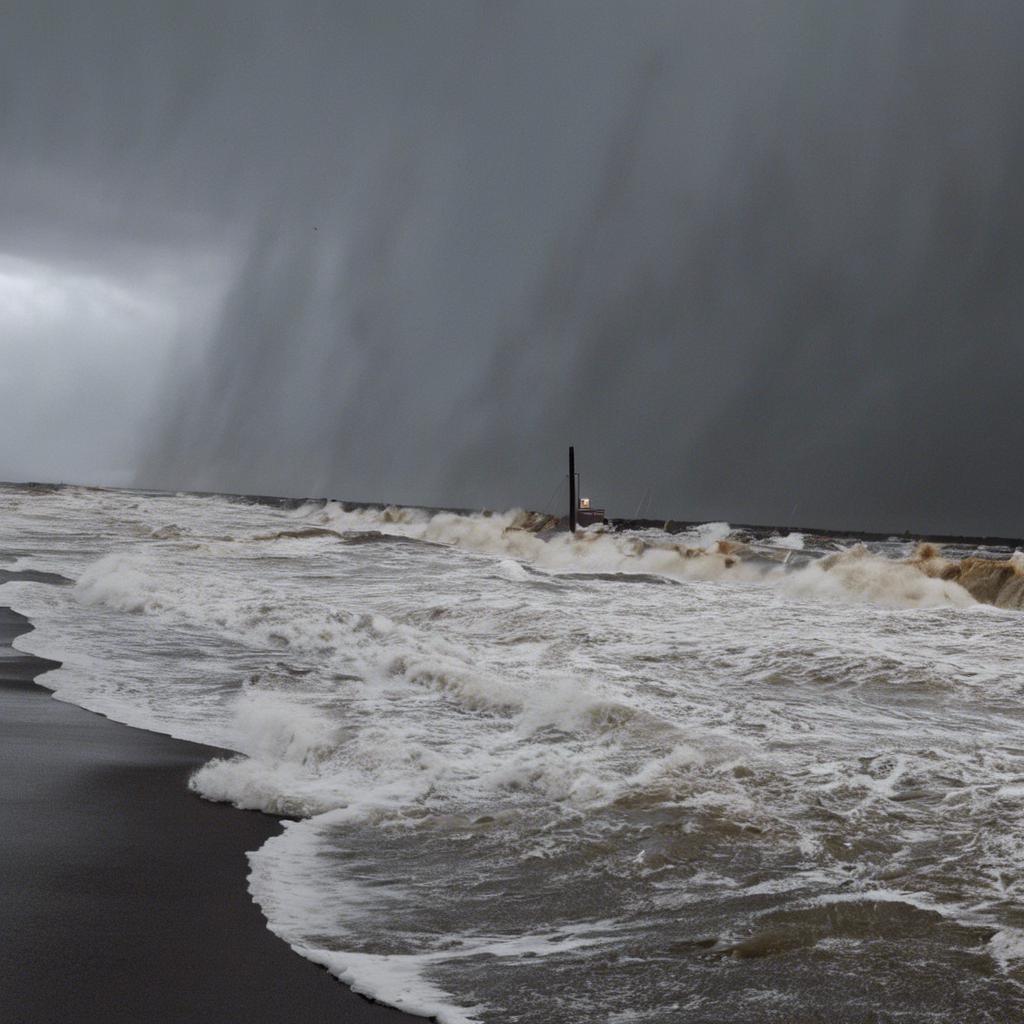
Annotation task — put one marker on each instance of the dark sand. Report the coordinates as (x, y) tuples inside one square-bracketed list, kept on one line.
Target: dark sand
[(122, 894)]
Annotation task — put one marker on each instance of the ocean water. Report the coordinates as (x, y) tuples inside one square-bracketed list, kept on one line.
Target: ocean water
[(542, 779)]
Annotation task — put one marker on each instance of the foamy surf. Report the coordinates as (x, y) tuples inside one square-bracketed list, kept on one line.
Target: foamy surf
[(641, 776)]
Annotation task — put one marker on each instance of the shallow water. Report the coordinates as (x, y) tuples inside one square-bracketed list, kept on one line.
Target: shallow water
[(543, 779)]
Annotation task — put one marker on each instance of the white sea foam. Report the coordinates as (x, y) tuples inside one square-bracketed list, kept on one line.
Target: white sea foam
[(516, 751), (793, 541), (857, 573), (121, 582)]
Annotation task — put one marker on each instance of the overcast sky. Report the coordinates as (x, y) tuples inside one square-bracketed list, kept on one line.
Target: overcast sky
[(759, 261)]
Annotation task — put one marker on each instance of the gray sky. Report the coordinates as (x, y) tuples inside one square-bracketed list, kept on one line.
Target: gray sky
[(762, 259)]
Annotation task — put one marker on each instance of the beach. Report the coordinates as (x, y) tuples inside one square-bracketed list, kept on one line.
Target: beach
[(124, 893)]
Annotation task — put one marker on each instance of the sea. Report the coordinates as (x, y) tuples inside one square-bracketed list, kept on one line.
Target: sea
[(526, 776)]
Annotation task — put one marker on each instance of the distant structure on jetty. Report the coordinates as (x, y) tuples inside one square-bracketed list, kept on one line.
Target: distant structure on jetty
[(581, 512)]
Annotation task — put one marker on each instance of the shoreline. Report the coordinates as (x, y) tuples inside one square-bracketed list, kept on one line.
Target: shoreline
[(125, 895)]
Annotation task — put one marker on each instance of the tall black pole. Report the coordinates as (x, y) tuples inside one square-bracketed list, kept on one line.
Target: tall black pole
[(572, 489)]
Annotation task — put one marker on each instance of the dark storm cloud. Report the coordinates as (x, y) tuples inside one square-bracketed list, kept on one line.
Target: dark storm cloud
[(762, 259)]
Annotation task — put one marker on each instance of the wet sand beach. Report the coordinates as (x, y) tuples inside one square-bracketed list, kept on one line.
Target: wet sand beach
[(124, 895)]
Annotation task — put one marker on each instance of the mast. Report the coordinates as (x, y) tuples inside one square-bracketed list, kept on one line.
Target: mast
[(572, 489)]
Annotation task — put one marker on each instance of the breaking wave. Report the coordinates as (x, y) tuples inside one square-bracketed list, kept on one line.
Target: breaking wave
[(704, 553)]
